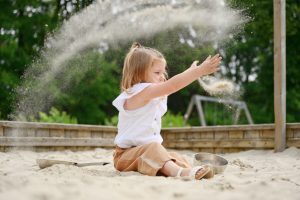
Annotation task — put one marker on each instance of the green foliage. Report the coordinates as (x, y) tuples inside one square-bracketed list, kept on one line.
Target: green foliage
[(222, 114), (90, 90), (251, 54), (55, 116), (172, 120), (24, 26), (113, 121)]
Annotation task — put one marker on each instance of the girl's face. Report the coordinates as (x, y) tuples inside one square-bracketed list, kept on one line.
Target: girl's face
[(157, 71)]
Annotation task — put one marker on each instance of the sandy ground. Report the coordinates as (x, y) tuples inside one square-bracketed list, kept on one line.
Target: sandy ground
[(249, 175)]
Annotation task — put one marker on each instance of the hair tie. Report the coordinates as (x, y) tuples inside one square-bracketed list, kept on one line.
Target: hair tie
[(136, 45)]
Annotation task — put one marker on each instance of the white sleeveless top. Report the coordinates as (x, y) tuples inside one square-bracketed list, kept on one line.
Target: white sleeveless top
[(139, 126)]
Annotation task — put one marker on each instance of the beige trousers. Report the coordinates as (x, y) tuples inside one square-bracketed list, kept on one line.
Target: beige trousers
[(147, 159)]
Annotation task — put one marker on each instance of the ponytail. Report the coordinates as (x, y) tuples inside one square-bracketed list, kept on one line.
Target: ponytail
[(135, 45)]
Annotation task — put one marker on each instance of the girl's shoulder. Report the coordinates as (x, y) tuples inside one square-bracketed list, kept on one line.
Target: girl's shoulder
[(136, 88)]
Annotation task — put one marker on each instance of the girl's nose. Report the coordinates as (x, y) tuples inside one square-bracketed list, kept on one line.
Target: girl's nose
[(162, 78)]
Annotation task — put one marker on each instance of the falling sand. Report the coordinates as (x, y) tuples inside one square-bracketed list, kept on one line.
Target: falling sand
[(107, 24), (217, 87)]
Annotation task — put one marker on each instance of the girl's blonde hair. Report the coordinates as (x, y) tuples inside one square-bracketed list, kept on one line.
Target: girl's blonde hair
[(137, 62)]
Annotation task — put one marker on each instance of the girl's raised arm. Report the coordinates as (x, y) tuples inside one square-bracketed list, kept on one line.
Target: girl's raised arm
[(177, 82)]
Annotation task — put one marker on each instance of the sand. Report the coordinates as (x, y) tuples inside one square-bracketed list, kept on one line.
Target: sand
[(254, 174)]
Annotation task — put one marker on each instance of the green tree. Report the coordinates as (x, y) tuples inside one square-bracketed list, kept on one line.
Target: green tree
[(250, 59), (55, 116), (24, 25), (92, 91)]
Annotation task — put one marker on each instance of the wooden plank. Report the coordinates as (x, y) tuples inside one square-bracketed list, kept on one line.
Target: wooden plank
[(169, 135), (57, 133), (196, 149), (59, 148), (220, 135), (207, 135), (290, 133), (48, 141), (221, 128), (234, 150), (293, 142), (108, 135), (97, 134), (261, 143), (296, 133), (84, 134), (29, 132), (267, 134), (18, 132), (236, 134), (193, 136), (219, 150), (293, 125), (9, 132), (71, 133), (85, 148), (42, 149), (251, 134), (279, 74), (42, 132), (181, 135), (1, 131), (36, 125)]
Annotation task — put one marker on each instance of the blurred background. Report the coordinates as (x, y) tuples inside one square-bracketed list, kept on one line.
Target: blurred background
[(247, 60)]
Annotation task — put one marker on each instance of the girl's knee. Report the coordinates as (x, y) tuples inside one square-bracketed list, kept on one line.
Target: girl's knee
[(156, 147)]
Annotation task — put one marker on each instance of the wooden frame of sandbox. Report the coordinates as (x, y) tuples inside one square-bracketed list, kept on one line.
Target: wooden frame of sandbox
[(214, 139)]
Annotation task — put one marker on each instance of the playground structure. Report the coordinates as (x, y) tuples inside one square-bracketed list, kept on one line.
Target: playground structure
[(198, 99)]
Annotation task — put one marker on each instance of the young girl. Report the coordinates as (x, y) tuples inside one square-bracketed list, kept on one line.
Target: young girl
[(141, 105)]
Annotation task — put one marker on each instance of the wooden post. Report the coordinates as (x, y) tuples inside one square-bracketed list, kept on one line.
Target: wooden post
[(279, 74)]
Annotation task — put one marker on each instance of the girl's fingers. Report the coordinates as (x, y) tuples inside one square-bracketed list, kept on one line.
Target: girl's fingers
[(216, 61), (215, 56), (195, 63), (208, 57)]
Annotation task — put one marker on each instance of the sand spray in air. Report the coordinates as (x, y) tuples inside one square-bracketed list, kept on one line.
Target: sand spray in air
[(217, 87), (107, 24), (225, 90)]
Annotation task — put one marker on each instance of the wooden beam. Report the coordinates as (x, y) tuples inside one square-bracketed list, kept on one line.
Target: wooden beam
[(244, 143), (52, 141), (36, 125), (279, 75), (194, 129)]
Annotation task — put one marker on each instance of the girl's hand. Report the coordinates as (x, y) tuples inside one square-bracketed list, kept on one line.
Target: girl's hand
[(209, 65)]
